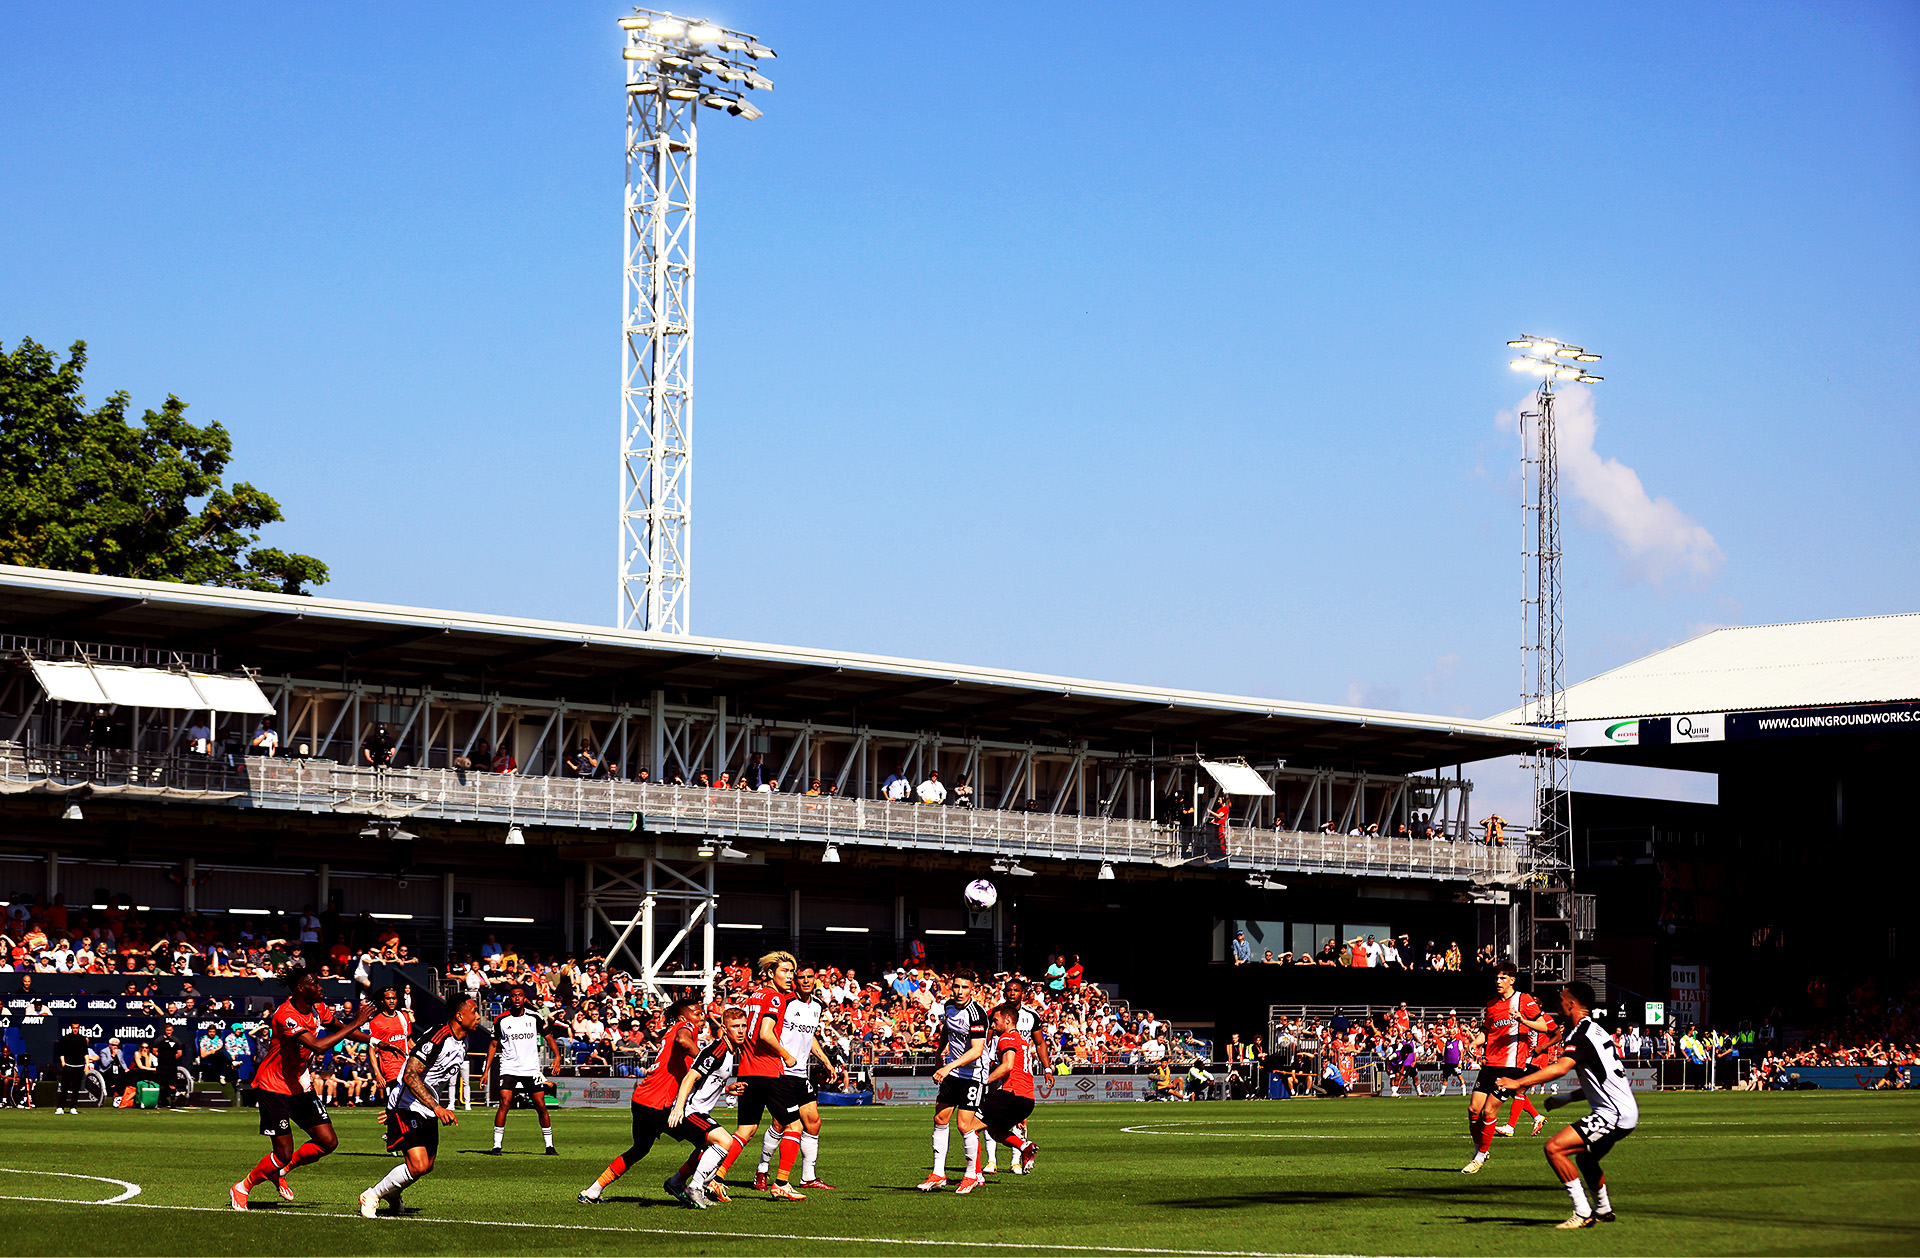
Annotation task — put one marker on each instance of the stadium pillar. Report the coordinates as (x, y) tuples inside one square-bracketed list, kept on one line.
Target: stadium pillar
[(793, 919), (657, 737), (323, 876), (566, 913), (187, 868), (446, 910), (719, 735), (53, 875)]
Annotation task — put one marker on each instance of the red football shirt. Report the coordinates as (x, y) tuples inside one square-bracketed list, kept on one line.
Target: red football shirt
[(757, 1061), (659, 1088), (1019, 1080), (287, 1067), (390, 1036), (1509, 1043)]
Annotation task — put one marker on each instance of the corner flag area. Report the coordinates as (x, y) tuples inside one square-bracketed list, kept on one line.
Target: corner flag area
[(1706, 1174)]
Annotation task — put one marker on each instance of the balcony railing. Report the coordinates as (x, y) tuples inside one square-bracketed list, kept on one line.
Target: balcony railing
[(571, 803)]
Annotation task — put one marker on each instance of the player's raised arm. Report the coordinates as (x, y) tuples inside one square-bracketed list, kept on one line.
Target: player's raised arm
[(1546, 1074)]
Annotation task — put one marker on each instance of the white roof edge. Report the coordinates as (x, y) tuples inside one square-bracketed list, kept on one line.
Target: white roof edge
[(481, 622)]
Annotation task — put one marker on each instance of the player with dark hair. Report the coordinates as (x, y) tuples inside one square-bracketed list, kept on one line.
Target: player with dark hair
[(1614, 1111), (763, 1065), (284, 1080), (517, 1034), (414, 1112), (654, 1097), (961, 1023), (1009, 1098), (1509, 1016), (389, 1040), (1026, 1022)]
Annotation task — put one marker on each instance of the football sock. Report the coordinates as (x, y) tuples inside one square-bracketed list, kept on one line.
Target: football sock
[(308, 1152), (993, 1153), (1579, 1194), (970, 1141), (267, 1168), (1486, 1135), (397, 1178), (1520, 1103), (546, 1133), (499, 1134), (940, 1134), (687, 1167), (769, 1148), (1600, 1201), (1015, 1143), (789, 1151), (809, 1155), (615, 1169), (735, 1145), (710, 1161)]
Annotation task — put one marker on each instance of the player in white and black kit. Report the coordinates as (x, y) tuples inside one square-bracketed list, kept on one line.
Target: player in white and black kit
[(1614, 1112), (799, 1035), (414, 1111), (1028, 1023), (517, 1034), (709, 1077), (960, 1022)]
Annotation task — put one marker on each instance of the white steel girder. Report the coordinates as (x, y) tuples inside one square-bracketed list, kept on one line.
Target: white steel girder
[(656, 391), (626, 897)]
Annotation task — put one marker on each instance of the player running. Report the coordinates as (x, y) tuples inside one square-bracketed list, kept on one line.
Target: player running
[(1029, 1024), (284, 1080), (414, 1112), (763, 1066), (961, 1023), (799, 1032), (1576, 1150), (517, 1033), (710, 1076), (1009, 1098), (654, 1098), (1508, 1018), (389, 1040), (1546, 1051)]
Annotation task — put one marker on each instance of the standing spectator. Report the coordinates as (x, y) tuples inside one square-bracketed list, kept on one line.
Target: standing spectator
[(756, 775), (1056, 976), (1076, 975), (896, 787), (962, 793), (503, 761), (1242, 950), (377, 751), (74, 1056), (932, 791), (1219, 815), (265, 740)]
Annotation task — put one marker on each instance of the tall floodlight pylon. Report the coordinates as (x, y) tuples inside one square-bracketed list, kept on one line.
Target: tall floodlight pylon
[(1545, 944), (675, 66)]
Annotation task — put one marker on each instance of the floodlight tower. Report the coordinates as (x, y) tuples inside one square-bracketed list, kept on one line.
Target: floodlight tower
[(1546, 945), (675, 65)]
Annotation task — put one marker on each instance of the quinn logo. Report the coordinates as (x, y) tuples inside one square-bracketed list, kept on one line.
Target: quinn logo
[(1624, 732)]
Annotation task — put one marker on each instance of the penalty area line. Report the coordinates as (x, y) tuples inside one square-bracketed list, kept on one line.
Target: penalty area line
[(685, 1234)]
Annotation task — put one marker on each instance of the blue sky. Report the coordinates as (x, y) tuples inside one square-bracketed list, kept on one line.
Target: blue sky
[(1101, 339)]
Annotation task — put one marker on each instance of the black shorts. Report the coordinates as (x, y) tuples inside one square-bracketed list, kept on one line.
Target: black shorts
[(769, 1092), (525, 1085), (280, 1113), (1449, 1070), (649, 1124), (1600, 1134), (1490, 1074), (410, 1129), (804, 1093), (693, 1129), (1002, 1111), (958, 1093)]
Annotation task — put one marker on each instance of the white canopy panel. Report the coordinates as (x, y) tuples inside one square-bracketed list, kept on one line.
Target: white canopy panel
[(1236, 779), (122, 686)]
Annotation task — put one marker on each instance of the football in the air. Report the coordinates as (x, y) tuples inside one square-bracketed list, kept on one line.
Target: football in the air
[(982, 894)]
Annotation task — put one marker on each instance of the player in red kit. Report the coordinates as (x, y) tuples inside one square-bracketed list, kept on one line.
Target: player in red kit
[(654, 1097), (1508, 1018), (284, 1080), (389, 1040), (1544, 1052), (1009, 1099), (764, 1060)]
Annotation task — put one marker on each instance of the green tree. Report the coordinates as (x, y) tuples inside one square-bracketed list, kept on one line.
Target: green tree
[(86, 491)]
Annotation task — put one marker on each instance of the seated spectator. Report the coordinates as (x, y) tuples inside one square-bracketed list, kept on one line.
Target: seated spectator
[(503, 761)]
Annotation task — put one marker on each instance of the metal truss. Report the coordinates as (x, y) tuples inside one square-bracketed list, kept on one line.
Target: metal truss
[(656, 392), (668, 901)]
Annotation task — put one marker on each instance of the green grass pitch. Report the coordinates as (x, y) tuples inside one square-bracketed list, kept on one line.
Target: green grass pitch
[(1835, 1173)]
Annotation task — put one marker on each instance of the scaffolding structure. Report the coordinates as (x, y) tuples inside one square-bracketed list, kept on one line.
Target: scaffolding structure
[(674, 67)]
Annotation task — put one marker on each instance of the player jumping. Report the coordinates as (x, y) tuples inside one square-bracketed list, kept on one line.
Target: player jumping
[(962, 1025), (284, 1081), (1009, 1098), (414, 1112), (1577, 1150), (517, 1033), (799, 1032), (1508, 1017)]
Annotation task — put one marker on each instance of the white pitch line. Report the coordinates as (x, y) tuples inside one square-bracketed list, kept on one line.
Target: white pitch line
[(127, 1190), (686, 1234)]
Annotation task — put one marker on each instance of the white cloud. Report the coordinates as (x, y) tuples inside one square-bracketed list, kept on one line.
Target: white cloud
[(1656, 539)]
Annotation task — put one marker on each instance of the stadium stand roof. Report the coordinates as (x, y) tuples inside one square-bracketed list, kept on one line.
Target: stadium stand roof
[(290, 635), (1868, 659)]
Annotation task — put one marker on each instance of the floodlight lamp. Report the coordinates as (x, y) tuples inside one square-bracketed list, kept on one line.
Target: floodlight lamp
[(705, 851), (732, 853), (1591, 379), (675, 62), (72, 813), (642, 88), (1521, 364), (1542, 369), (831, 856), (671, 28), (716, 100), (760, 81), (1584, 357), (1520, 344), (516, 837), (740, 109), (1566, 373), (731, 73), (635, 23), (712, 65), (733, 45), (684, 93), (1106, 872), (757, 51), (706, 33), (639, 52), (1565, 351), (402, 835)]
